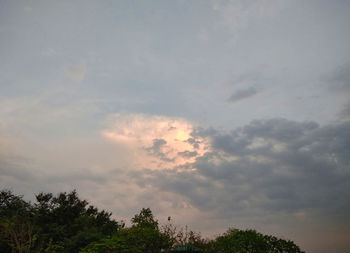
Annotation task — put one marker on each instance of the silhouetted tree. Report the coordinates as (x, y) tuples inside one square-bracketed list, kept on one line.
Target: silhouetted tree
[(68, 223), (65, 224), (17, 228)]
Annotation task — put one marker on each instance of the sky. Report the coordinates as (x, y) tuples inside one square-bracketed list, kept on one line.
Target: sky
[(217, 113)]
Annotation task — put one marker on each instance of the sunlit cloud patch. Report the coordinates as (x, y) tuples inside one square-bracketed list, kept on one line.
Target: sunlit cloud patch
[(161, 142)]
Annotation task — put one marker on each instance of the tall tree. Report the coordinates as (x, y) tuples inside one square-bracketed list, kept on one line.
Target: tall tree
[(17, 228)]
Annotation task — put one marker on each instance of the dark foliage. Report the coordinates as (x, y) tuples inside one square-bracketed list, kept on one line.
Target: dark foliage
[(65, 223), (250, 241), (17, 230)]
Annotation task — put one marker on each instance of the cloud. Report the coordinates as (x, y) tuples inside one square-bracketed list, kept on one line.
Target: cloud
[(242, 94), (188, 153), (158, 140), (248, 83), (77, 72), (269, 167), (157, 150)]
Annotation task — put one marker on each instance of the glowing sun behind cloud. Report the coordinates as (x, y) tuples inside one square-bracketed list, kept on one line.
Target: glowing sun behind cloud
[(161, 142)]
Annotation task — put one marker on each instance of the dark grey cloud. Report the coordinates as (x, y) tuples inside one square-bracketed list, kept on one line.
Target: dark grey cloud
[(156, 149), (157, 146), (195, 143), (242, 94), (188, 154), (267, 167)]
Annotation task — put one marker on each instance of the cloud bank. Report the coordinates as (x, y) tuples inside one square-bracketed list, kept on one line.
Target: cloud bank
[(269, 166)]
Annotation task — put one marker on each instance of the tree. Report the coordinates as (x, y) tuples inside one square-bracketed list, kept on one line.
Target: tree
[(68, 223), (145, 219), (250, 241), (143, 236), (145, 233), (276, 245), (63, 223), (18, 230), (183, 236), (115, 244)]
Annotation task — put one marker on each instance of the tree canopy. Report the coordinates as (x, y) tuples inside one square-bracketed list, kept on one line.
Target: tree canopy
[(65, 223)]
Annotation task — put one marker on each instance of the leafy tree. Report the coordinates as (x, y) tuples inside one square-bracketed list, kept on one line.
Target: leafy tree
[(146, 234), (143, 236), (17, 229), (250, 241), (69, 224), (276, 245), (65, 223), (145, 219), (115, 244)]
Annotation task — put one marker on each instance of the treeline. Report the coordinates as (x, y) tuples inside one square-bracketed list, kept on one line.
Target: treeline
[(65, 223)]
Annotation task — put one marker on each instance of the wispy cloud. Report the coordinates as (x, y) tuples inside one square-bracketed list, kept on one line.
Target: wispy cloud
[(242, 94)]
